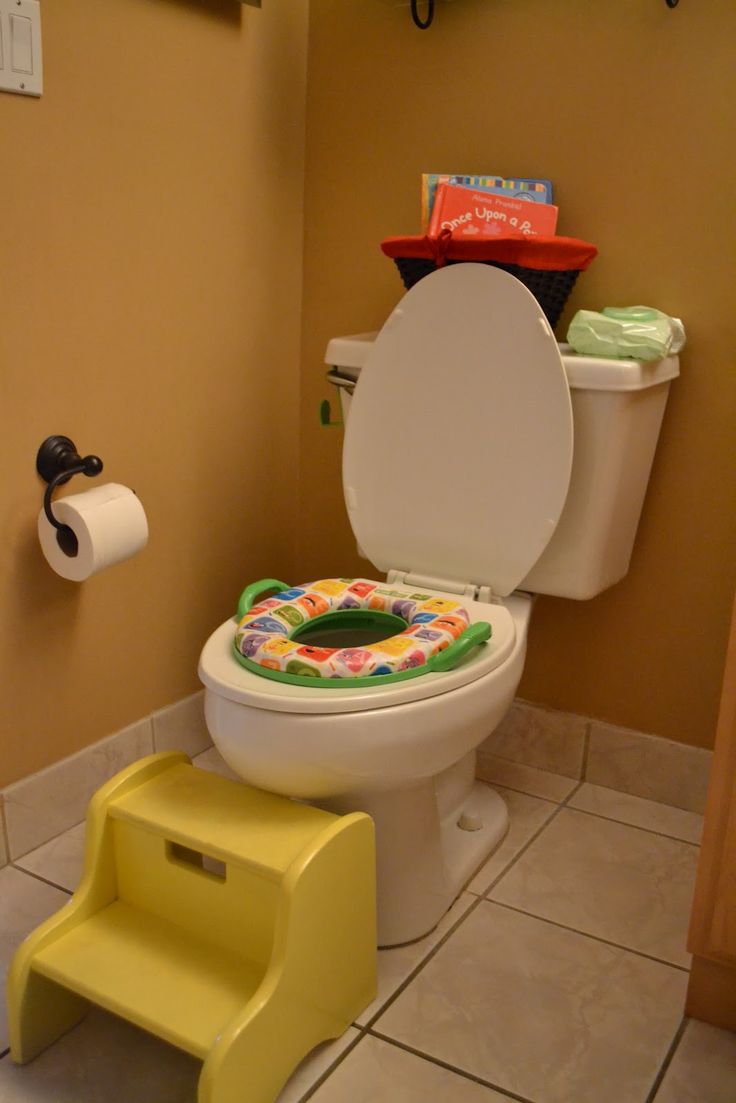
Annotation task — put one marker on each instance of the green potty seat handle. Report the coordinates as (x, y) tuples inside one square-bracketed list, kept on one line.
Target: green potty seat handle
[(250, 593), (472, 637)]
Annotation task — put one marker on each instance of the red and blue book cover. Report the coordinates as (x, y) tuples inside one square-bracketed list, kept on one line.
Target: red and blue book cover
[(468, 213), (533, 190)]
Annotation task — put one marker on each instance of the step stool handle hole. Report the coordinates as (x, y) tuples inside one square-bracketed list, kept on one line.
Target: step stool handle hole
[(196, 860)]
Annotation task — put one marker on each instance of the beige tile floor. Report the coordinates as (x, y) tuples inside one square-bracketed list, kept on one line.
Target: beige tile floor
[(558, 976)]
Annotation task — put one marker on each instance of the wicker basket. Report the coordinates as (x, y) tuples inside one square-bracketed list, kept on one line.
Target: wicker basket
[(548, 266)]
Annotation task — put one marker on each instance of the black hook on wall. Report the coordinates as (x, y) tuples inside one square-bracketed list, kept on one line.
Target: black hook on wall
[(57, 460)]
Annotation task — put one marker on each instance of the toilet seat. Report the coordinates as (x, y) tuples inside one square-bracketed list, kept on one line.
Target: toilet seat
[(434, 633), (226, 678)]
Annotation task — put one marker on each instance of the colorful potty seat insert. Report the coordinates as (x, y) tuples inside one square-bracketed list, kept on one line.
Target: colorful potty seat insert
[(267, 637)]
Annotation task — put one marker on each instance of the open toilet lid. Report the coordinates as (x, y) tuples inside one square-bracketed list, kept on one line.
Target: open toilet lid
[(458, 447)]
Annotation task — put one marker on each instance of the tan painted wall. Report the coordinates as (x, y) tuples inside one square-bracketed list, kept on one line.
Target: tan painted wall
[(628, 108), (150, 242)]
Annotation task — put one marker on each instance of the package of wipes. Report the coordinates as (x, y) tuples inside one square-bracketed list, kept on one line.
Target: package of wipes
[(626, 333)]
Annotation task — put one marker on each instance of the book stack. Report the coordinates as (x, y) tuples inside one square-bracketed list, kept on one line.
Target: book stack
[(467, 213), (534, 191), (486, 206)]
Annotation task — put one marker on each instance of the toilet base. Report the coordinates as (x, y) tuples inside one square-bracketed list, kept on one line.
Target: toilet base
[(431, 838)]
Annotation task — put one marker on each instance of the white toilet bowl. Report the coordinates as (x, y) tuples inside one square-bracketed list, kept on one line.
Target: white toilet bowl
[(404, 753), (457, 468)]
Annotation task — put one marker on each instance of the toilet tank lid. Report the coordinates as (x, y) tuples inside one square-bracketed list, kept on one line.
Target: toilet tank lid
[(590, 373)]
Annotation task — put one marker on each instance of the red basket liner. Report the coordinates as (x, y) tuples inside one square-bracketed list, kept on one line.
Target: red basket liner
[(553, 254)]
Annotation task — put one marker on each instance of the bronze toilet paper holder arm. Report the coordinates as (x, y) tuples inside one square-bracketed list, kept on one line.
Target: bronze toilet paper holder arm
[(57, 461)]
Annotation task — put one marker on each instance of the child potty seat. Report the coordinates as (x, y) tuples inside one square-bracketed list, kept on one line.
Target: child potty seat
[(434, 633)]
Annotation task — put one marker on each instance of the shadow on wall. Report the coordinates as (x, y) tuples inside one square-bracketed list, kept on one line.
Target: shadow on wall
[(223, 11), (41, 606)]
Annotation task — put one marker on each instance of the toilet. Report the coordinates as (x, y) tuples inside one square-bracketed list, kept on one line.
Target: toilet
[(483, 463)]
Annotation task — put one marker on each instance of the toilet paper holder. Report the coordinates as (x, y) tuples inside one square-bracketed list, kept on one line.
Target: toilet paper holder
[(57, 461)]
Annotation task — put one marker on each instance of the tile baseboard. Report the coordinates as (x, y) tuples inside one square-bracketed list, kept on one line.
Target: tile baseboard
[(579, 747), (648, 766), (539, 737), (181, 726), (39, 807)]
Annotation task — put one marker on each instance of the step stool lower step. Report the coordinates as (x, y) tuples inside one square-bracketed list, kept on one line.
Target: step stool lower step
[(152, 973)]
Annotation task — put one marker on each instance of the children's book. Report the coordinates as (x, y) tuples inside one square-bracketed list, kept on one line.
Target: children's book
[(470, 213), (535, 191)]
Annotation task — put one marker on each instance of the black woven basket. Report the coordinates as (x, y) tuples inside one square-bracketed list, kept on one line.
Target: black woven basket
[(551, 289)]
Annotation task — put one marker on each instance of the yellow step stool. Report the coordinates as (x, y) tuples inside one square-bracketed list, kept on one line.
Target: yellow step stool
[(237, 925)]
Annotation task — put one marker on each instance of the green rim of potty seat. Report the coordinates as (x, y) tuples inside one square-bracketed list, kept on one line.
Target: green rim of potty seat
[(399, 635)]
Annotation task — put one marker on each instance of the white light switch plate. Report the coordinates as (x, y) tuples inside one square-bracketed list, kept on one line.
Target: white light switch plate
[(21, 68)]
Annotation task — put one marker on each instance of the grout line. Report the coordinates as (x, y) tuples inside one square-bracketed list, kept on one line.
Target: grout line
[(39, 877), (526, 793), (4, 830), (586, 751), (512, 861), (420, 965), (51, 838), (450, 1068), (586, 934), (328, 1071), (572, 793), (479, 898), (209, 747), (667, 1060), (636, 826), (600, 815)]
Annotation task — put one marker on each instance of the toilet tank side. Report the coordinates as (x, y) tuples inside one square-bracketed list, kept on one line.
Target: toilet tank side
[(615, 439)]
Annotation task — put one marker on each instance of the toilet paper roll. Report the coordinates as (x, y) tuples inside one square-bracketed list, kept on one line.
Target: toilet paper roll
[(109, 523)]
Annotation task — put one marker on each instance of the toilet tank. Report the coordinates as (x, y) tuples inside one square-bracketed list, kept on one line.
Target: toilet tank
[(617, 408)]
